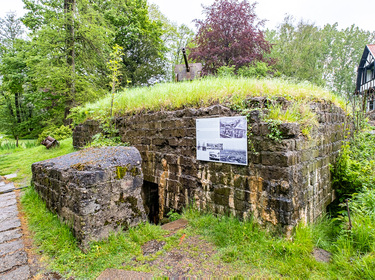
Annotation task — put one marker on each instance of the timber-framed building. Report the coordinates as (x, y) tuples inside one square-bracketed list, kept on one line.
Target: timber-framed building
[(366, 76)]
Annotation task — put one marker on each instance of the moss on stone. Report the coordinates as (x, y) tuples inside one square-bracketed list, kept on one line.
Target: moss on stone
[(133, 204), (121, 171)]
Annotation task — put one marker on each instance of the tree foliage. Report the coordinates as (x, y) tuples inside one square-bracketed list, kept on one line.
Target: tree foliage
[(175, 38), (324, 56), (230, 35), (70, 43), (141, 40), (16, 110)]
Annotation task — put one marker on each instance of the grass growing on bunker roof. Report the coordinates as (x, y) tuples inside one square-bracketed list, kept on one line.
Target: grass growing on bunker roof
[(207, 91)]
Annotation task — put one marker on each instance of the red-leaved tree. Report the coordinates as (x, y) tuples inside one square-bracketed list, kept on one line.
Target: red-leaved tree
[(229, 35)]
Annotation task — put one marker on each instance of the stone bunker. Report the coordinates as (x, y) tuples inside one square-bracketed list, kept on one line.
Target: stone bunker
[(285, 181), (95, 191)]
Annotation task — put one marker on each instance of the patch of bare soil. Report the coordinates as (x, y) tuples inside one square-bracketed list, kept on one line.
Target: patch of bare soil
[(193, 257)]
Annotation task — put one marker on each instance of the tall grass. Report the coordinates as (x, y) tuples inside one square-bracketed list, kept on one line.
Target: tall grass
[(205, 92), (7, 145)]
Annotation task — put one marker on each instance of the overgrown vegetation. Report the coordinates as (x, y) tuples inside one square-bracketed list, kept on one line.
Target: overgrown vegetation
[(355, 169), (61, 250)]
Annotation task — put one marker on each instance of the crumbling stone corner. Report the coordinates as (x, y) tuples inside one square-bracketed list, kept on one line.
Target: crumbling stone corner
[(96, 191)]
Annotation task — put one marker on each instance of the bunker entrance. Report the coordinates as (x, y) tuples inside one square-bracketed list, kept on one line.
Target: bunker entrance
[(151, 201)]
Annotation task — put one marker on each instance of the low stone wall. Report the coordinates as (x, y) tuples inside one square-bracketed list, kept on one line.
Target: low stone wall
[(95, 191), (283, 183)]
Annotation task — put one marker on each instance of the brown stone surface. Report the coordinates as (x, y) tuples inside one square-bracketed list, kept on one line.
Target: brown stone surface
[(96, 191), (321, 255), (117, 274), (175, 225), (284, 182)]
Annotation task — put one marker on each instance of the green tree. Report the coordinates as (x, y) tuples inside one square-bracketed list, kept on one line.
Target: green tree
[(175, 38), (141, 39), (298, 50), (70, 39), (16, 111), (324, 56)]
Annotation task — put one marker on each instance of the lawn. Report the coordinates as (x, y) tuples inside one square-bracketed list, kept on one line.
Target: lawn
[(19, 160)]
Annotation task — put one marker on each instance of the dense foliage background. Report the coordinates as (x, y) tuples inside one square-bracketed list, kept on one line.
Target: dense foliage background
[(56, 56)]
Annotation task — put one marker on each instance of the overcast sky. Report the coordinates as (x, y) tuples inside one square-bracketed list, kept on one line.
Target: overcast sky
[(320, 12)]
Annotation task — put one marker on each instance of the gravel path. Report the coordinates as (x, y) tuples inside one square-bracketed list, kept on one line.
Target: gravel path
[(13, 258)]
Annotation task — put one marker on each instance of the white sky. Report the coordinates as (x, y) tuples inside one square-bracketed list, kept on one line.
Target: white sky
[(320, 12)]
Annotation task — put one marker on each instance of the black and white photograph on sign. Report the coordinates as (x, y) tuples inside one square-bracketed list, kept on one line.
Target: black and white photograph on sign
[(222, 140), (233, 156), (233, 127)]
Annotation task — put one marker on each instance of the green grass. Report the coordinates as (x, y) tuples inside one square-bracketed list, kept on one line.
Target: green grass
[(60, 249), (248, 245), (243, 247), (20, 160), (204, 92)]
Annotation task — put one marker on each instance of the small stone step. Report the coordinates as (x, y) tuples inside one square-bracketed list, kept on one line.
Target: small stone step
[(175, 225), (20, 273), (10, 176), (112, 274), (9, 247), (10, 261), (10, 235), (6, 188), (10, 224)]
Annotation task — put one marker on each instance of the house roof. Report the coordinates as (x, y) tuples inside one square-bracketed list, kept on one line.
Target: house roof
[(372, 49), (368, 48)]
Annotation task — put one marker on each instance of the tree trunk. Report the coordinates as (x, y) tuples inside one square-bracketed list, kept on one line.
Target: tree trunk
[(17, 107), (69, 8)]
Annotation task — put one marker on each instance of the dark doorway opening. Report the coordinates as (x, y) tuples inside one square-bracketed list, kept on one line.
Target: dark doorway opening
[(151, 201)]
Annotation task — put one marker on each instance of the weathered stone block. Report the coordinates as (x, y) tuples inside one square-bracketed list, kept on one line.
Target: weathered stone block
[(95, 191)]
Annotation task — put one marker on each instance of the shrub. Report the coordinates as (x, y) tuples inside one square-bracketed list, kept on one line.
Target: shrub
[(59, 133), (226, 71), (257, 70), (355, 168)]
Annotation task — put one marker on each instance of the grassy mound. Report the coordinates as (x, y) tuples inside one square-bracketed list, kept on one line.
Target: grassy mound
[(207, 91)]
